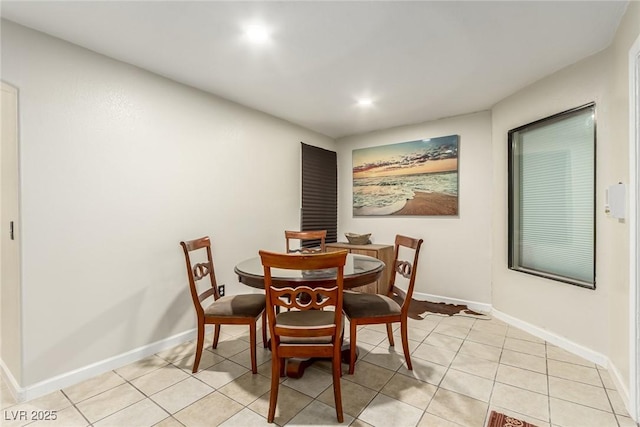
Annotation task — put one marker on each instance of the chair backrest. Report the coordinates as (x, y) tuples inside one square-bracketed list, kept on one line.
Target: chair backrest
[(317, 238), (406, 269), (305, 295), (197, 271)]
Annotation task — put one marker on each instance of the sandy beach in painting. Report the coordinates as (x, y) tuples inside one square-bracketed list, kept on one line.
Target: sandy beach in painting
[(430, 204), (410, 178)]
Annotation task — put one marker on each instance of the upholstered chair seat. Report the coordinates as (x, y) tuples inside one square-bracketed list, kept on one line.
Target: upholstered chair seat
[(358, 305), (228, 310), (371, 309), (306, 320), (249, 305), (313, 324)]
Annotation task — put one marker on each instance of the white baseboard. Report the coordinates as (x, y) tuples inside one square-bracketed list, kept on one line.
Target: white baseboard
[(557, 340), (622, 389), (577, 349), (10, 381), (22, 394)]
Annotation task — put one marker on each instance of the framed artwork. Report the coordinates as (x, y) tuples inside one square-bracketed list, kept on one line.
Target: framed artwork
[(408, 178)]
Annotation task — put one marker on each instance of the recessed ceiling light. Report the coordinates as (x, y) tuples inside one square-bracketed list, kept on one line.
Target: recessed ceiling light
[(256, 33), (365, 102)]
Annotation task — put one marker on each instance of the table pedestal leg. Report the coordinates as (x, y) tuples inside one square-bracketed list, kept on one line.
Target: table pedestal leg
[(295, 367), (346, 353)]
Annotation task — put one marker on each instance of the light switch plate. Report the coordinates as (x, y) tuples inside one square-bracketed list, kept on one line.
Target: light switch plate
[(616, 201)]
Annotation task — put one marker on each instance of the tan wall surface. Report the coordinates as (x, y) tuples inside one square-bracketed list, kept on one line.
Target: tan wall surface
[(10, 292), (455, 260), (118, 166), (617, 252), (599, 319)]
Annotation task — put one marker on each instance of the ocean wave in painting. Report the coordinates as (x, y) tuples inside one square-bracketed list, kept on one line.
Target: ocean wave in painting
[(386, 176), (386, 195)]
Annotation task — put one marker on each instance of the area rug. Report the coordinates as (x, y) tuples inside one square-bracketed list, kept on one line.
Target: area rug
[(496, 419), (420, 309)]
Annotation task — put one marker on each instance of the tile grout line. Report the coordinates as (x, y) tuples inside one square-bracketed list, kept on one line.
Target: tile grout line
[(613, 411), (438, 386), (395, 372), (89, 423)]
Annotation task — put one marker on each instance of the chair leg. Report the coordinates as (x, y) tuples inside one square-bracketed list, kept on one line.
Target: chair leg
[(216, 335), (252, 344), (199, 345), (264, 330), (352, 344), (341, 343), (390, 334), (337, 394), (405, 342), (275, 382)]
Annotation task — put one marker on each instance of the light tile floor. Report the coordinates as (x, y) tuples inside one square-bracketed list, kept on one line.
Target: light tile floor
[(463, 368)]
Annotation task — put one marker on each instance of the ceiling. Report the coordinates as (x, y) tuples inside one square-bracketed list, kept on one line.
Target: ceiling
[(418, 61)]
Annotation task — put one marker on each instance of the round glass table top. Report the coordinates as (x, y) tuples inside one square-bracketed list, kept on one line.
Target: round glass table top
[(359, 270)]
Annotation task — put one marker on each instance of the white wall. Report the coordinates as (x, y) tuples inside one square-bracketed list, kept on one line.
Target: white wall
[(596, 319), (458, 251), (10, 295), (567, 310), (117, 166), (617, 253), (455, 260)]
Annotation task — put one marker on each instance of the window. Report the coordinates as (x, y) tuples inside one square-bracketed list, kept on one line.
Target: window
[(552, 197), (319, 192)]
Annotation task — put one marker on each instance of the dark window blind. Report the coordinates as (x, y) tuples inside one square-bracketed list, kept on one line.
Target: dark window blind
[(319, 192)]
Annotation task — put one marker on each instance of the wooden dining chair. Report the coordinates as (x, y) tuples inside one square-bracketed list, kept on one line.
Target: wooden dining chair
[(306, 330), (368, 309), (227, 310), (317, 237)]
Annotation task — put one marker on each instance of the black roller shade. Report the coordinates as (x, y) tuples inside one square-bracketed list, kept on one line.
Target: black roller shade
[(319, 192)]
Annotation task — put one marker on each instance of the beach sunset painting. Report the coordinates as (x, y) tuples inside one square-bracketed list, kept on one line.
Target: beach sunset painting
[(408, 178)]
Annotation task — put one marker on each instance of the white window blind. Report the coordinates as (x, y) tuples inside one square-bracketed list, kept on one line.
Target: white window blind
[(552, 188)]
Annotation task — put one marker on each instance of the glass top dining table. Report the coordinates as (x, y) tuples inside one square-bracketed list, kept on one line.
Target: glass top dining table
[(359, 270)]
